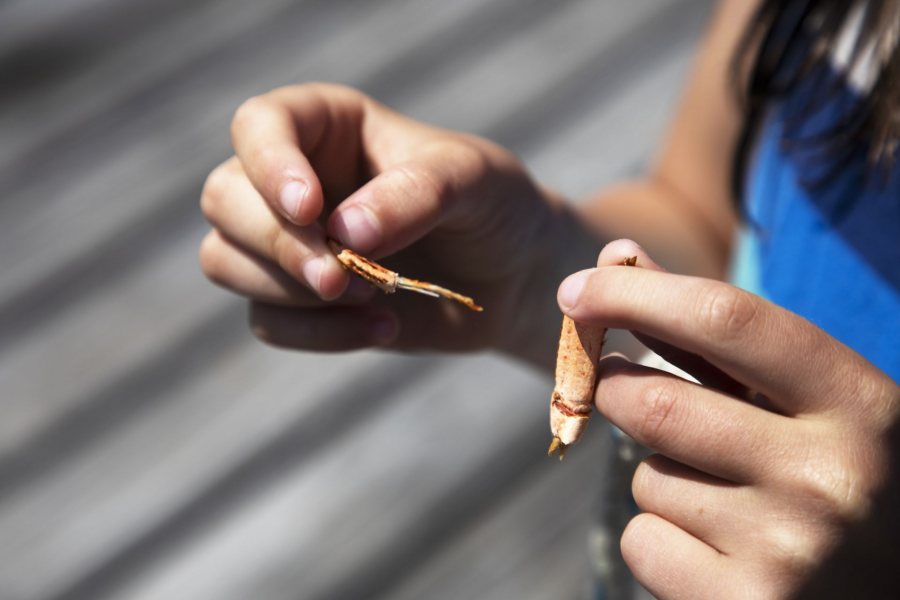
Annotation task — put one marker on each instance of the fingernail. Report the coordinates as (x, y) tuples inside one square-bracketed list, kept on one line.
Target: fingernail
[(570, 290), (312, 271), (358, 228), (384, 329), (292, 195)]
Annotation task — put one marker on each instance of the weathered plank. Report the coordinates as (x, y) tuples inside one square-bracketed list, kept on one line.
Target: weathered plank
[(359, 518), (149, 447)]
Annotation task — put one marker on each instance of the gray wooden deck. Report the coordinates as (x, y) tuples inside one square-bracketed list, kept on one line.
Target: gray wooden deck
[(149, 446)]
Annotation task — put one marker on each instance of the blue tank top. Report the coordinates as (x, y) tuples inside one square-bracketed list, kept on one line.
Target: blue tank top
[(825, 240)]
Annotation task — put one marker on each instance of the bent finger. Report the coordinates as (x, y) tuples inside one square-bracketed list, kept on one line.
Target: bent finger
[(408, 200), (235, 208), (274, 139), (328, 329), (671, 563), (690, 423), (233, 268), (765, 347), (713, 510)]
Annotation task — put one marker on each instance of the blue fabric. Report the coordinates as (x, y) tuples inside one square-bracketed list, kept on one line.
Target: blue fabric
[(827, 248)]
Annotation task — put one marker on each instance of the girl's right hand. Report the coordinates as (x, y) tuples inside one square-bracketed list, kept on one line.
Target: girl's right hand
[(318, 161), (777, 474)]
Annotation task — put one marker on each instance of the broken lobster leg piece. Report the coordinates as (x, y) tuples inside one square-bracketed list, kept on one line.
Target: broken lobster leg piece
[(576, 380), (389, 282)]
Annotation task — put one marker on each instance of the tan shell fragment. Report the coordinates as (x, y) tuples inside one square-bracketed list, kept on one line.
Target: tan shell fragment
[(577, 360), (384, 279), (389, 282), (576, 378)]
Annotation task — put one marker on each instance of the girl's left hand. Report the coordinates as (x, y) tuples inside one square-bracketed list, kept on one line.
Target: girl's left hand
[(774, 474)]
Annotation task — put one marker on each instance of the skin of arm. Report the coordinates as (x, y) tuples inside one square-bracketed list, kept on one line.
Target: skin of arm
[(681, 211)]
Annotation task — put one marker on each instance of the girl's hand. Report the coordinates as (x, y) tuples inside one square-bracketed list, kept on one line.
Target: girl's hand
[(317, 161), (774, 473)]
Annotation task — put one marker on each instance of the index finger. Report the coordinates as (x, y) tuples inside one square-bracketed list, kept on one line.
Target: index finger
[(796, 365), (276, 134)]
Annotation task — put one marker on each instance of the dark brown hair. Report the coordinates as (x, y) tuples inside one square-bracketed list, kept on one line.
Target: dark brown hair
[(789, 42)]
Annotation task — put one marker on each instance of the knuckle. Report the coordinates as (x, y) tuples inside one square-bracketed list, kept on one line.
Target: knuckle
[(246, 114), (289, 252), (273, 242), (657, 405), (283, 250), (727, 312), (791, 548), (269, 158), (211, 259), (833, 488), (471, 157), (214, 189), (642, 483), (463, 168), (424, 180), (267, 164), (634, 543)]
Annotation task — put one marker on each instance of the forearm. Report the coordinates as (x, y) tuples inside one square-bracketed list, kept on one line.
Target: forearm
[(644, 211), (680, 212), (652, 214)]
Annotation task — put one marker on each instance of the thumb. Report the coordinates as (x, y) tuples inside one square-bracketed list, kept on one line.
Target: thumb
[(613, 254), (406, 201), (266, 137)]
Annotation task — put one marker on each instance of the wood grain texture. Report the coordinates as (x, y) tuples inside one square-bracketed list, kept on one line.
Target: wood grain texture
[(149, 446)]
